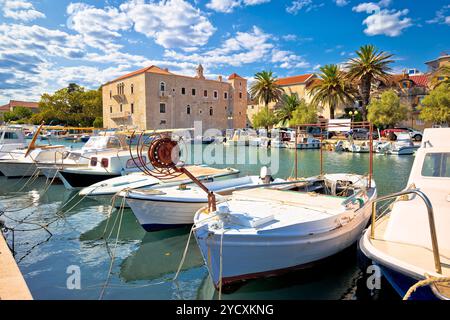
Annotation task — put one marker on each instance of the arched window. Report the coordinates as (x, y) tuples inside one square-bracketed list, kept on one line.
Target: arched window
[(188, 109), (132, 88), (162, 86)]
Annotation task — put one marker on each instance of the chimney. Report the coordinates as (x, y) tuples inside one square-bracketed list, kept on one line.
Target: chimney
[(220, 78)]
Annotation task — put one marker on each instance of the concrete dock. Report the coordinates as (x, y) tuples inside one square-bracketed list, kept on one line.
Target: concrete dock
[(12, 283)]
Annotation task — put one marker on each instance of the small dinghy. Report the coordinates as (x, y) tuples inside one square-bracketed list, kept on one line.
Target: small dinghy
[(103, 191), (264, 231), (175, 206)]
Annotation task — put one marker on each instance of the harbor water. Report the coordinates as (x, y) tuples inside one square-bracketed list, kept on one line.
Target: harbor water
[(145, 263)]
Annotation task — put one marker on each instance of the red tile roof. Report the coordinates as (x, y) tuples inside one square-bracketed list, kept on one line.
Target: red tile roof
[(294, 80), (234, 76), (421, 80), (151, 69), (15, 103)]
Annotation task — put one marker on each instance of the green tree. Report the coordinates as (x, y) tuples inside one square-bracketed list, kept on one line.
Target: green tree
[(265, 88), (71, 106), (333, 89), (288, 105), (18, 113), (304, 114), (436, 106), (440, 76), (387, 111), (98, 122), (265, 118), (370, 65)]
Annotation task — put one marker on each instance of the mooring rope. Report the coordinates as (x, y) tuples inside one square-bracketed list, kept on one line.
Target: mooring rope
[(427, 282)]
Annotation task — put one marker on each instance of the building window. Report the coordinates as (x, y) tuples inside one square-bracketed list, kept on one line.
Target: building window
[(121, 108), (240, 95), (110, 109), (132, 89), (240, 84), (193, 92), (205, 93), (216, 94), (120, 89), (211, 111), (183, 90), (162, 108), (225, 95), (163, 122), (110, 94), (162, 86), (132, 108), (188, 109)]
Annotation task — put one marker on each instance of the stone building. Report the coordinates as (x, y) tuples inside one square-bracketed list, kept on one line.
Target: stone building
[(155, 98)]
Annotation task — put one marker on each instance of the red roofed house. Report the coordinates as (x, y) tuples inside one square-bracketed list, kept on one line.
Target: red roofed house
[(33, 106), (155, 98)]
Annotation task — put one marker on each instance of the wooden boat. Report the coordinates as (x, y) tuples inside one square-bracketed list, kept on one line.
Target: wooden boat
[(410, 243), (264, 232), (170, 207)]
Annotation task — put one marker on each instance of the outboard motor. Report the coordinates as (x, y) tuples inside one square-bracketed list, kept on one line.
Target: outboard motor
[(265, 175)]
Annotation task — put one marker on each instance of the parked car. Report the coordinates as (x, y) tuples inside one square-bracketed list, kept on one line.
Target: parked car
[(319, 133), (361, 134), (415, 135)]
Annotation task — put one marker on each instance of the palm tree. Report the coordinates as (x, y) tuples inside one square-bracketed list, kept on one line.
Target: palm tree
[(289, 103), (265, 89), (440, 76), (333, 89), (370, 65)]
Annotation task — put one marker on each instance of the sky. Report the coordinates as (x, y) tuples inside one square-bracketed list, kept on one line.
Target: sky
[(47, 44)]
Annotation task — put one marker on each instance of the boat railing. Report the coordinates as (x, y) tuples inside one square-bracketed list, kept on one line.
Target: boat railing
[(431, 221)]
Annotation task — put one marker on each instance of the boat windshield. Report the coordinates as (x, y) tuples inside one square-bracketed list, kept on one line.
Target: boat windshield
[(436, 165)]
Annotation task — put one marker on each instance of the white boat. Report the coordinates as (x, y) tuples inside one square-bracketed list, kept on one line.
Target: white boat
[(240, 138), (11, 139), (402, 146), (264, 232), (402, 244), (170, 207), (280, 138), (101, 167), (303, 141), (18, 164), (96, 145), (104, 190)]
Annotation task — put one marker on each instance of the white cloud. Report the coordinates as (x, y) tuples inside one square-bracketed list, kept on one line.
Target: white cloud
[(20, 10), (227, 6), (306, 5), (288, 60), (172, 23), (289, 37), (442, 16), (382, 21), (341, 3), (99, 27)]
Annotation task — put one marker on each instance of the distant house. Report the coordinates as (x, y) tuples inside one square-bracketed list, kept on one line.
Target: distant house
[(33, 106)]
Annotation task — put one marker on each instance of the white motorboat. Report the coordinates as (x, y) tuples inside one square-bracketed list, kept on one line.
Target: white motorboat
[(104, 190), (401, 242), (170, 207), (240, 138), (263, 232), (402, 146), (11, 139), (303, 141), (96, 145)]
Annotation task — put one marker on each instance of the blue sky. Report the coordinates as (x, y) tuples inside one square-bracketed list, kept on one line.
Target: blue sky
[(49, 43)]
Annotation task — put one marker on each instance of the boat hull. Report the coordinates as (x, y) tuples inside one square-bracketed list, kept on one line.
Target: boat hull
[(159, 215), (77, 180), (252, 256), (18, 169)]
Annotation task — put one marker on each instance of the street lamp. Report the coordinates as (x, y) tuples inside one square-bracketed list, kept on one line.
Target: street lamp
[(353, 114)]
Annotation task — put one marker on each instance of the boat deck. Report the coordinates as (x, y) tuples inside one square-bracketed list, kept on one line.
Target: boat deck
[(414, 255)]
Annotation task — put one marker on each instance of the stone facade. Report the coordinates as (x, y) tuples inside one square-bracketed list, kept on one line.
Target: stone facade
[(154, 98)]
